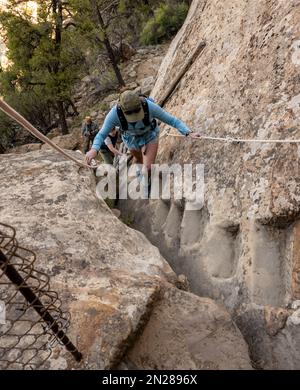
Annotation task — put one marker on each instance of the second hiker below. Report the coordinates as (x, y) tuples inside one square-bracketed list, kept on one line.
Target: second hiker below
[(108, 148), (137, 118)]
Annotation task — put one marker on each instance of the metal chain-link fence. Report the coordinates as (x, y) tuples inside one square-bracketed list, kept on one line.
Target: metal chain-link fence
[(32, 321)]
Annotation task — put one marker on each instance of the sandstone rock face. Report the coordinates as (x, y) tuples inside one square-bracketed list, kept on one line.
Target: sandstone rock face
[(54, 133), (126, 50), (170, 338), (140, 71), (68, 141), (107, 275), (25, 148), (143, 67), (242, 247)]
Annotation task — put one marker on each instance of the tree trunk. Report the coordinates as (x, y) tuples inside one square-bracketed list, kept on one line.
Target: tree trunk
[(62, 117), (58, 13), (2, 148), (113, 61), (70, 102), (107, 44)]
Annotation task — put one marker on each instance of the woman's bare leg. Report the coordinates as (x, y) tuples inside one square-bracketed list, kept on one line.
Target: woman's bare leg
[(149, 156)]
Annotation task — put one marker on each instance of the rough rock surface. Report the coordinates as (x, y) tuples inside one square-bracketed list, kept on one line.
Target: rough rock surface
[(143, 67), (68, 141), (242, 247), (108, 276), (140, 71), (72, 141), (176, 342), (25, 148), (54, 133)]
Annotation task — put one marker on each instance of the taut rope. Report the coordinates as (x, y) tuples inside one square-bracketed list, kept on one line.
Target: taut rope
[(28, 126)]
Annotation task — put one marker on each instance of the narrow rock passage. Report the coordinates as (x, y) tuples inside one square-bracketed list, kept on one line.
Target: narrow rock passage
[(111, 279)]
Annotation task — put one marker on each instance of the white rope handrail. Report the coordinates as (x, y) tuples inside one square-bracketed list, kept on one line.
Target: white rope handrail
[(28, 126), (240, 140)]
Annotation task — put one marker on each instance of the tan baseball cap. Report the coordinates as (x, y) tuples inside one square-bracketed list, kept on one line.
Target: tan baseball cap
[(131, 106)]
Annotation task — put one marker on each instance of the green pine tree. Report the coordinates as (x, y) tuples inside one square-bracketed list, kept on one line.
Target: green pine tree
[(45, 60)]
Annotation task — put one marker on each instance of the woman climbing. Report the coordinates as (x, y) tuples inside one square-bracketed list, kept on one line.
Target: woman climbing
[(137, 118)]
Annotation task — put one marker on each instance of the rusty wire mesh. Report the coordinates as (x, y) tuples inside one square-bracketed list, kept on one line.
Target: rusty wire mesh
[(26, 340)]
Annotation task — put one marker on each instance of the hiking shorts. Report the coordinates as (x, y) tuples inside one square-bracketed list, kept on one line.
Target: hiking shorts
[(138, 141)]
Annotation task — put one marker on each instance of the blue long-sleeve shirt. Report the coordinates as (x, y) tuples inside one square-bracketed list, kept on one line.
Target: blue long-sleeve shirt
[(155, 112)]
